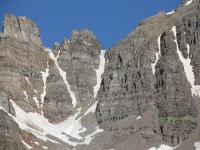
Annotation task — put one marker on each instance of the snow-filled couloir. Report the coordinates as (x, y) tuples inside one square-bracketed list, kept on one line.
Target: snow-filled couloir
[(99, 72), (158, 55), (44, 78), (188, 68)]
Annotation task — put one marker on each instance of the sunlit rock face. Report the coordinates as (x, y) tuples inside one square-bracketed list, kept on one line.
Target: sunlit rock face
[(141, 94)]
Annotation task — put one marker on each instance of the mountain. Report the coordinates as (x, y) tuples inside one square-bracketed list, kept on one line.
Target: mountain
[(141, 94)]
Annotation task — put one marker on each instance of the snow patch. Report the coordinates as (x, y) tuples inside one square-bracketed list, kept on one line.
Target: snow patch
[(36, 101), (139, 117), (187, 67), (188, 49), (63, 75), (87, 43), (23, 17), (28, 146), (90, 136), (99, 72), (26, 96), (188, 3), (162, 147), (153, 66), (36, 143), (44, 147), (91, 109), (35, 91), (38, 123), (171, 12), (27, 80), (44, 78), (158, 54), (71, 126), (197, 145), (54, 141)]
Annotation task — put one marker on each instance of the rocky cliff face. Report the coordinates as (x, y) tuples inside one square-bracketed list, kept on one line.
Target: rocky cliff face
[(151, 66), (22, 29), (142, 94)]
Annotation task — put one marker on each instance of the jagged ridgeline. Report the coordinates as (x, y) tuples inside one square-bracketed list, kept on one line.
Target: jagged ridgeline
[(141, 94)]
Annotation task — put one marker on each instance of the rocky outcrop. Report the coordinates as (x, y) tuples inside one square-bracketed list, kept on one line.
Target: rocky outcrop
[(23, 29), (80, 55)]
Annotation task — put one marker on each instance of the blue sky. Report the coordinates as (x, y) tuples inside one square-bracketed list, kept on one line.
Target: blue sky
[(110, 20)]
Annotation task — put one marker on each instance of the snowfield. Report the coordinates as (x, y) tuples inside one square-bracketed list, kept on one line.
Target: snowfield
[(40, 126)]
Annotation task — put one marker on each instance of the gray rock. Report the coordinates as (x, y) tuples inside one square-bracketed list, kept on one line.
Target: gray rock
[(129, 86), (136, 108), (21, 28)]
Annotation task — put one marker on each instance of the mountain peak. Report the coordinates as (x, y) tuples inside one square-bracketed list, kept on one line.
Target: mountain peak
[(22, 29)]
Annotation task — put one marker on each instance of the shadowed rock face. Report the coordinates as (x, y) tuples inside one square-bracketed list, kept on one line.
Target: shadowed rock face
[(145, 99)]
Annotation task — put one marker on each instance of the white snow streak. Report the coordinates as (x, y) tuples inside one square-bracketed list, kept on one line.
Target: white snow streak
[(63, 75), (162, 147), (36, 101), (26, 96), (99, 72), (28, 146), (87, 43), (89, 137), (36, 143), (139, 117), (171, 12), (188, 49), (91, 109), (44, 147), (44, 78), (189, 2), (157, 56), (35, 91), (27, 80), (187, 67), (197, 145)]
